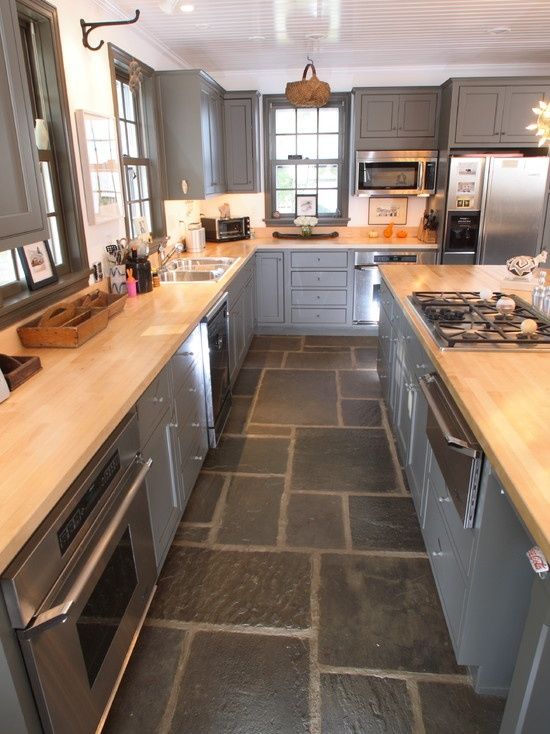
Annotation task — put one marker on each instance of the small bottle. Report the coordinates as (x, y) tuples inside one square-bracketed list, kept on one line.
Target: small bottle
[(131, 284), (545, 307)]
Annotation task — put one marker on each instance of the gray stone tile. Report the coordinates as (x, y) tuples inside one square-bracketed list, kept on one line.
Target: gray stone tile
[(234, 587), (249, 454), (342, 460), (458, 709), (359, 384), (251, 512), (240, 407), (263, 359), (318, 360), (267, 343), (147, 683), (315, 521), (340, 341), (244, 684), (353, 704), (366, 357), (382, 613), (191, 533), (247, 382), (204, 497), (297, 397), (384, 523), (361, 413), (267, 430)]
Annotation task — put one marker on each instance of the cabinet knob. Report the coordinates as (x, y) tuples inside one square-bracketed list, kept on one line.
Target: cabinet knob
[(444, 499), (197, 458), (192, 389), (186, 354), (421, 366), (158, 400), (195, 425), (437, 553)]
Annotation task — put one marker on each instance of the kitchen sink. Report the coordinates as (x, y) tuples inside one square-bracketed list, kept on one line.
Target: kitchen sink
[(195, 269)]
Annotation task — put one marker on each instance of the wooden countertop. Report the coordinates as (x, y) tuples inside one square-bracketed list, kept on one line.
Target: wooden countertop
[(351, 241), (504, 396)]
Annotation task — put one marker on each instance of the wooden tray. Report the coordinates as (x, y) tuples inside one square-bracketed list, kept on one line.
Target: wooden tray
[(64, 325), (17, 370), (113, 302), (293, 236)]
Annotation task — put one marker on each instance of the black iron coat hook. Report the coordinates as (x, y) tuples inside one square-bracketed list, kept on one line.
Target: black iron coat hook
[(87, 28)]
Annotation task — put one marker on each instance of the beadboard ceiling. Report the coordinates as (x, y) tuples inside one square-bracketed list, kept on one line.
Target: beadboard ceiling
[(218, 34)]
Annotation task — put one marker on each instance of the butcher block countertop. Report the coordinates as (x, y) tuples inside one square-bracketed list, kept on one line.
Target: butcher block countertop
[(505, 396)]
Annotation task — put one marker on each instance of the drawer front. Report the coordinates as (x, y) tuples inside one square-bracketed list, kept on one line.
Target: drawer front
[(319, 279), (187, 358), (191, 431), (153, 404), (446, 570), (386, 298), (319, 315), (190, 398), (319, 298), (319, 260), (191, 465)]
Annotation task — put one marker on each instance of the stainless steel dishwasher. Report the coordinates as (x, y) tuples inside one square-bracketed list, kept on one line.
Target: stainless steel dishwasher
[(366, 286)]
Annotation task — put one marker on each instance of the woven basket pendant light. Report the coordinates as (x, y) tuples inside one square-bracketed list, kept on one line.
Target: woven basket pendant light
[(308, 92)]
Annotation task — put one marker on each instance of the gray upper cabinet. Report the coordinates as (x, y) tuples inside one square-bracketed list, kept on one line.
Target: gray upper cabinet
[(22, 210), (396, 118), (491, 112), (191, 115), (242, 141)]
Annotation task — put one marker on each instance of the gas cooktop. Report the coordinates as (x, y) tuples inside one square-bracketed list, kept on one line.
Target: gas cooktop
[(464, 320)]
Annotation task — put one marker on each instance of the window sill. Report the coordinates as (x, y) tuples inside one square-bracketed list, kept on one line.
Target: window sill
[(336, 222), (26, 303)]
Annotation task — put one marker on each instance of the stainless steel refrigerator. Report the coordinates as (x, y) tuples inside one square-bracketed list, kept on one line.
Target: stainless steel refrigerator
[(494, 208)]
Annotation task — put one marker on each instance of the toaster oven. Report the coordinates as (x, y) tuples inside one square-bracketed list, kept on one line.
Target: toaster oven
[(226, 230)]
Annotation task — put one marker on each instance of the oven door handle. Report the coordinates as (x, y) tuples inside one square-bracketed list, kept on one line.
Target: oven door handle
[(365, 267), (60, 613)]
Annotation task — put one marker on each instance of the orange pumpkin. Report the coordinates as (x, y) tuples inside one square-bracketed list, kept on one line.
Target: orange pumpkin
[(388, 231), (402, 234)]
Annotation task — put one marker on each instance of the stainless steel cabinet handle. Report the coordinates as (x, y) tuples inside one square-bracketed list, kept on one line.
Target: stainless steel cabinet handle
[(192, 389), (437, 553), (197, 458), (422, 366), (186, 354), (444, 499), (195, 425)]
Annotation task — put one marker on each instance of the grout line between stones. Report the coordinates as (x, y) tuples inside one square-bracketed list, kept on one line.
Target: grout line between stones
[(314, 673), (283, 508), (393, 449), (339, 412), (347, 521), (303, 633), (416, 706), (447, 678), (218, 512), (166, 722)]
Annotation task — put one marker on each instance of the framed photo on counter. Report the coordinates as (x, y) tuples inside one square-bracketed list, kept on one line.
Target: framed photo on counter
[(38, 265), (306, 205)]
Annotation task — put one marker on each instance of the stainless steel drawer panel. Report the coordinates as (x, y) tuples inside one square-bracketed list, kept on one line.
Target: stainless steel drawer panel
[(319, 298), (319, 315), (448, 577), (188, 357), (319, 279), (153, 404), (319, 260)]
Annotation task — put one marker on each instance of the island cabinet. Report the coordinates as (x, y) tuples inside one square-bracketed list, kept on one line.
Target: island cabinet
[(241, 296), (395, 118), (481, 574), (22, 209)]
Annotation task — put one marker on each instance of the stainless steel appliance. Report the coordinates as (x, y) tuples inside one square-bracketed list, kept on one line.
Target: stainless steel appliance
[(195, 239), (465, 321), (366, 286), (78, 591), (494, 208), (226, 230), (405, 172), (215, 350), (458, 454)]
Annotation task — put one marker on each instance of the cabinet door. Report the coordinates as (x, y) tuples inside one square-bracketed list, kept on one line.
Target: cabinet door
[(518, 113), (236, 335), (415, 466), (270, 288), (479, 114), (22, 211), (212, 141), (405, 404), (162, 488), (417, 115), (249, 304), (239, 145), (378, 116), (218, 145)]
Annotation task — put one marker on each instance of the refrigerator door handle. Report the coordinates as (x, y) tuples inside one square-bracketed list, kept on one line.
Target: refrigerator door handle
[(487, 175)]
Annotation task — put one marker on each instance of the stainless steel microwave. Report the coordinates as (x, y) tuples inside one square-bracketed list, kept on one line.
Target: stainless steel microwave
[(405, 172)]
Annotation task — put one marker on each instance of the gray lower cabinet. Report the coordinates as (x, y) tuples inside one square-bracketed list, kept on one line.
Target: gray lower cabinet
[(22, 209), (270, 301), (242, 138), (242, 316)]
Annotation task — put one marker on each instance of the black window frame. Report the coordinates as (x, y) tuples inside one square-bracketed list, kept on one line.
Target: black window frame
[(272, 102), (48, 93)]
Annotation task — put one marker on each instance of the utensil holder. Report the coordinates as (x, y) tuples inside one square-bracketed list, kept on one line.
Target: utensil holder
[(117, 279)]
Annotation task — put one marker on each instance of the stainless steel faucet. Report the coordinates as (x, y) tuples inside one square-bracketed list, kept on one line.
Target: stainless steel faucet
[(174, 251)]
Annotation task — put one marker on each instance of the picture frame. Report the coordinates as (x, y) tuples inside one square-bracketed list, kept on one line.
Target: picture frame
[(388, 209), (306, 205), (101, 175), (38, 265)]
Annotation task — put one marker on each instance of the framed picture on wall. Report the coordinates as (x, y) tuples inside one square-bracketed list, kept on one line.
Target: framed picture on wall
[(388, 209), (306, 205), (38, 265)]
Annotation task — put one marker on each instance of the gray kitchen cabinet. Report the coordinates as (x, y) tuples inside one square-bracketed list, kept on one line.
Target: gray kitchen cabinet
[(528, 706), (518, 112), (395, 117), (22, 209), (241, 297), (191, 121), (270, 292), (242, 141), (236, 334), (479, 116)]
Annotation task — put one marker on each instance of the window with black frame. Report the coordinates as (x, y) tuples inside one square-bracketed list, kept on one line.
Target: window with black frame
[(307, 158)]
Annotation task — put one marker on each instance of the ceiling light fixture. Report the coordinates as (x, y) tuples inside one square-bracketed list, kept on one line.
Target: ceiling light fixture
[(256, 38), (168, 6), (542, 125), (315, 36), (500, 30), (187, 8)]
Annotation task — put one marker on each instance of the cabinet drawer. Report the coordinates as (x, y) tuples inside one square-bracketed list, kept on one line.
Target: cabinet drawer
[(191, 431), (319, 279), (319, 260), (190, 398), (446, 570), (319, 315), (319, 298), (191, 465), (153, 403), (187, 358)]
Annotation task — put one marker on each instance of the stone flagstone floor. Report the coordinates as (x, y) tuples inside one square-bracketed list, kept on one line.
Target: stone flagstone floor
[(298, 597)]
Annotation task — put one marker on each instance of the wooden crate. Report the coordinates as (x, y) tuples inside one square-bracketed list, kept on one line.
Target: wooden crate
[(64, 325), (113, 302), (17, 370)]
